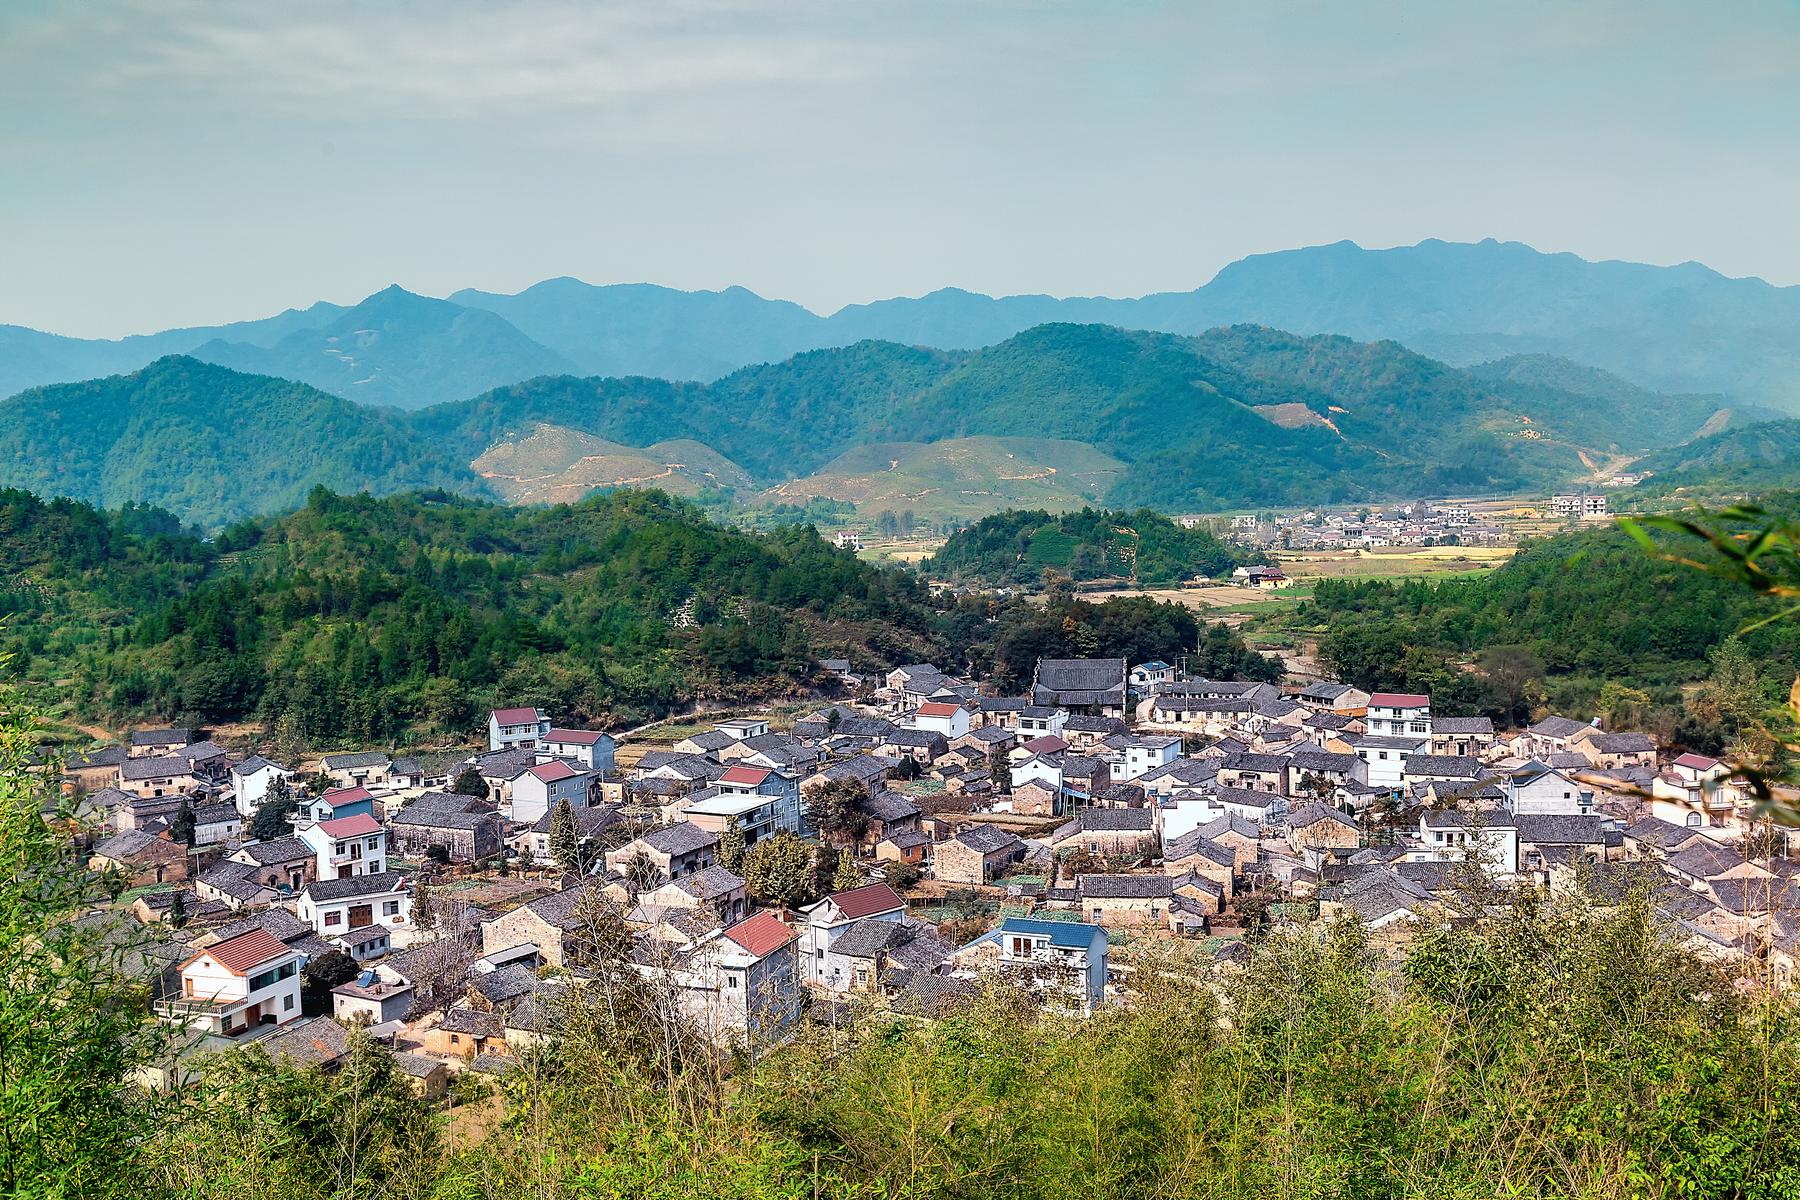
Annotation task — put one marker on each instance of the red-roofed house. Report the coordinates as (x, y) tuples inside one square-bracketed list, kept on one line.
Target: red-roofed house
[(345, 846), (589, 748), (830, 918), (740, 986), (951, 720), (1696, 792), (1399, 714), (510, 727), (540, 788), (758, 800), (231, 986)]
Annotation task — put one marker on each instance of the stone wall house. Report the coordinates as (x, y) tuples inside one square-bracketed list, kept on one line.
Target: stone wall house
[(1124, 900), (976, 854)]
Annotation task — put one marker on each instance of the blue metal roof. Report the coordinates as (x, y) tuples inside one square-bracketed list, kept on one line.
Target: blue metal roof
[(1060, 933)]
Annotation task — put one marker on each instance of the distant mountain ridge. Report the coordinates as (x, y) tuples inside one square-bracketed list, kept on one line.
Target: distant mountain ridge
[(1681, 329), (1055, 416)]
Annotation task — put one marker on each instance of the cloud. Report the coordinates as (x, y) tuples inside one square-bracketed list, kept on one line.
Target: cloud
[(450, 60)]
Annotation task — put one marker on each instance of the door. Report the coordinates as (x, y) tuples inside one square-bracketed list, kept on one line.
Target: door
[(361, 914)]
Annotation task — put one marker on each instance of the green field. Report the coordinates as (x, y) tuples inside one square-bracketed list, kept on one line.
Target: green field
[(961, 479)]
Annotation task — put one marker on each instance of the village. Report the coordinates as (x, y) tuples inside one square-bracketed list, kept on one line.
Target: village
[(903, 847)]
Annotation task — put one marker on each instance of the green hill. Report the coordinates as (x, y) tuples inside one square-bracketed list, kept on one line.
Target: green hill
[(364, 619), (1016, 547), (1738, 462), (209, 444), (1234, 417)]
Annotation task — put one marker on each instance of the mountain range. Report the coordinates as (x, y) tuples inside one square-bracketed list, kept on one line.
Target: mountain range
[(1236, 416), (1682, 329)]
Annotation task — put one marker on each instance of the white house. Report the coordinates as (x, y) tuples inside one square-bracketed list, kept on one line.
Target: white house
[(1399, 714), (335, 906), (542, 787), (345, 846), (1491, 834), (1134, 756), (1537, 789), (951, 720), (510, 727), (1062, 959), (251, 781), (1695, 792), (1386, 757), (237, 984), (590, 748), (1186, 812), (742, 729), (1147, 677), (740, 985), (827, 920)]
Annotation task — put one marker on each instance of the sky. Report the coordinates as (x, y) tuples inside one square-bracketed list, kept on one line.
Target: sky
[(177, 162)]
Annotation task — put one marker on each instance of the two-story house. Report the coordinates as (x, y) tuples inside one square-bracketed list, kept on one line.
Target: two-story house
[(522, 728), (1399, 714), (345, 846), (1063, 960), (237, 984)]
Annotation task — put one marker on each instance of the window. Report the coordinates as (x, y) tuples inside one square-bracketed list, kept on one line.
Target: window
[(455, 1040), (389, 908), (731, 981), (374, 866), (334, 918), (287, 1001)]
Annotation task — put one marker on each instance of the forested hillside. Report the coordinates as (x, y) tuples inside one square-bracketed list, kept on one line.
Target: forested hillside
[(1587, 624), (1017, 546), (357, 619), (210, 444), (1737, 462), (1240, 416)]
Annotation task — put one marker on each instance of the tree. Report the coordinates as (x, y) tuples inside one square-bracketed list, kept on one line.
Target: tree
[(270, 820), (999, 770), (324, 972), (178, 912), (731, 847), (836, 810), (848, 875), (778, 870), (902, 875), (72, 1025), (565, 839), (641, 874), (470, 783), (181, 825)]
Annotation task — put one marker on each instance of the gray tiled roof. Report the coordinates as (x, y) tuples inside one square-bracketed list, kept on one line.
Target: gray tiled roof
[(1124, 887), (350, 886)]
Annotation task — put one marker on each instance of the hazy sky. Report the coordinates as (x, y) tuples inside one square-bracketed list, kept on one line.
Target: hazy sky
[(174, 162)]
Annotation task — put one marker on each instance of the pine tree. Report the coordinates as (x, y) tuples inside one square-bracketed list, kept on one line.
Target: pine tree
[(178, 913), (848, 875), (731, 847), (181, 826), (565, 841)]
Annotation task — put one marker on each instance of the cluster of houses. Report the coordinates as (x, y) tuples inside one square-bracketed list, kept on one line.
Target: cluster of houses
[(1105, 797), (1438, 523)]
